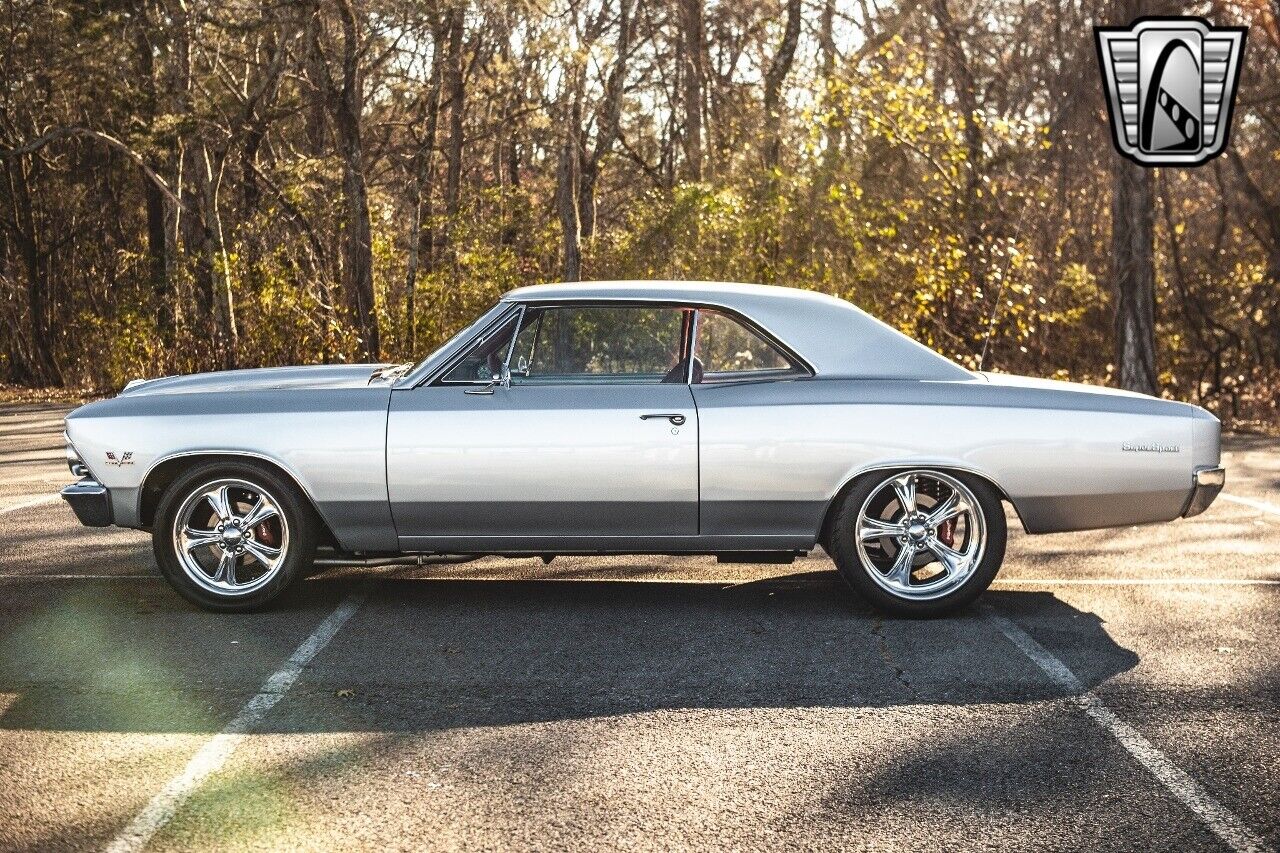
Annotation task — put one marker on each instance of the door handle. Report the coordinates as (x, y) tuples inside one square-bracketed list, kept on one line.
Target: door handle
[(675, 417)]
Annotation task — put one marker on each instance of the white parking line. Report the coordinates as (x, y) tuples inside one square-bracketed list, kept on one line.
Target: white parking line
[(1253, 502), (70, 577), (218, 749), (45, 499), (1213, 814), (1139, 581)]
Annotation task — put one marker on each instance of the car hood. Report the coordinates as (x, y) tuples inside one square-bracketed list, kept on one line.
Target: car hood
[(262, 379)]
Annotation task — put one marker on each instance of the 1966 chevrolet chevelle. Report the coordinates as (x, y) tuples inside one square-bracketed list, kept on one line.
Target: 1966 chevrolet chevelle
[(749, 422)]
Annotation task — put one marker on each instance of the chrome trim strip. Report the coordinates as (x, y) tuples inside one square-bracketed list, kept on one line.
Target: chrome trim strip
[(1211, 477), (84, 487), (1208, 482)]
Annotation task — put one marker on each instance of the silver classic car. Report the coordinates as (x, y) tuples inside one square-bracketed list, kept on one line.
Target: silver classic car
[(753, 423)]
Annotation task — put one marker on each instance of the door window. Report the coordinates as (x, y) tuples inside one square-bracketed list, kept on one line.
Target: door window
[(598, 344), (727, 349)]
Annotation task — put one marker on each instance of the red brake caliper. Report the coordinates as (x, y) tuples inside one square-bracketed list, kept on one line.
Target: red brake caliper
[(947, 532), (266, 536)]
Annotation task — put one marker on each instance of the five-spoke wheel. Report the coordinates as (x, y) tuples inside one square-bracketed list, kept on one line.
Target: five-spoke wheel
[(919, 542), (232, 537)]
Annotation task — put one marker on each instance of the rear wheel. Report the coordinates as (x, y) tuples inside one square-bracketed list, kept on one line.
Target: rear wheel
[(919, 542), (232, 537)]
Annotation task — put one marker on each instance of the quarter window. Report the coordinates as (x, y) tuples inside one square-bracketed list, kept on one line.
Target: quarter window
[(727, 349), (485, 358)]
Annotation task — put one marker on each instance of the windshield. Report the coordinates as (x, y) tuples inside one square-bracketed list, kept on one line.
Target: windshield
[(451, 346)]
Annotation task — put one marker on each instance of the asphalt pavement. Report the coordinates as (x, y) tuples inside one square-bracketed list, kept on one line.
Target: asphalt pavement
[(1115, 690)]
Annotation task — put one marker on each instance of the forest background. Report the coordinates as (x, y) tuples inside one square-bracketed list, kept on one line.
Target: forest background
[(191, 185)]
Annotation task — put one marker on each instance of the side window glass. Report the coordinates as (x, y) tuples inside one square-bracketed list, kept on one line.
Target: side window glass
[(728, 349), (599, 344), (486, 356)]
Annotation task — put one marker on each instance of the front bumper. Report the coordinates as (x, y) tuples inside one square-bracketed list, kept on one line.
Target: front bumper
[(1208, 482), (90, 501)]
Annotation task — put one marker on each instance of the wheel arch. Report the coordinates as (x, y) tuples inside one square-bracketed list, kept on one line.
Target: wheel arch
[(165, 471), (833, 505)]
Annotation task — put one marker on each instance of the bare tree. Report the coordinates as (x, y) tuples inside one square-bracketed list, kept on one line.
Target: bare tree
[(1133, 262), (346, 103)]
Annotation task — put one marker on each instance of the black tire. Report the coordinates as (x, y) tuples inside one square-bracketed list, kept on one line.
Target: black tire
[(843, 549), (302, 527)]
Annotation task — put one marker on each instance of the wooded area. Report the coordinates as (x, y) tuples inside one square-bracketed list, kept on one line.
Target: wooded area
[(190, 185)]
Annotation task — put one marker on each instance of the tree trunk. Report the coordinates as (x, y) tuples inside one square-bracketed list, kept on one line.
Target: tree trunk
[(213, 261), (691, 54), (972, 216), (567, 188), (456, 86), (1133, 260), (42, 368), (157, 238), (357, 268), (773, 80), (609, 119), (420, 238), (196, 238), (1132, 251)]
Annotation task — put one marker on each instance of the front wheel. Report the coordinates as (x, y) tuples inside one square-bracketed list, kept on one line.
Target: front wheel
[(919, 542), (231, 537)]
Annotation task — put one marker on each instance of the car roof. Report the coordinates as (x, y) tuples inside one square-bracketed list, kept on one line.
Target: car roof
[(650, 290), (836, 338)]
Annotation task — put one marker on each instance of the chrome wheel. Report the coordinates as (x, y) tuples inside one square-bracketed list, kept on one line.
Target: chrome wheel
[(920, 534), (230, 537)]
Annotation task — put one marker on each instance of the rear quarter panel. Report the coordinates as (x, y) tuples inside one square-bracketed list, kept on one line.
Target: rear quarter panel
[(775, 454)]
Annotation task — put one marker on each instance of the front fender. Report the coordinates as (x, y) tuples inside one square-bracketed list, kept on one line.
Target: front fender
[(332, 442)]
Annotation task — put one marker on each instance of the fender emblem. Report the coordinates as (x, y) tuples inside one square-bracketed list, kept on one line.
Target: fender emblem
[(125, 458), (1144, 447)]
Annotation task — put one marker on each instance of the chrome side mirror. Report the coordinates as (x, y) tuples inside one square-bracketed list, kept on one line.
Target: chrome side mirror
[(503, 379)]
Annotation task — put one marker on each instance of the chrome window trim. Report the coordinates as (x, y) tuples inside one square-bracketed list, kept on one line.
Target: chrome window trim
[(692, 346), (697, 304), (803, 369)]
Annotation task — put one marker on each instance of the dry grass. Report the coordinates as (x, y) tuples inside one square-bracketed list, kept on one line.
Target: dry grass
[(21, 394)]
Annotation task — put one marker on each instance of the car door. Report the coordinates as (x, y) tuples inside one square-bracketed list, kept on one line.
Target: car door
[(593, 443), (765, 452)]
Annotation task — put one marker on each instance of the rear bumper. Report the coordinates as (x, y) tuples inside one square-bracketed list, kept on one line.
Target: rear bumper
[(1208, 482), (90, 501)]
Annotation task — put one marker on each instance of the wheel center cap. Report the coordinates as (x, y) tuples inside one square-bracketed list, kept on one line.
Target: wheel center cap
[(917, 532), (232, 535)]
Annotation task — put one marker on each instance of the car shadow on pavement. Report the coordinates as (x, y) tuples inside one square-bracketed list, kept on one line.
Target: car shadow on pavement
[(434, 654)]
